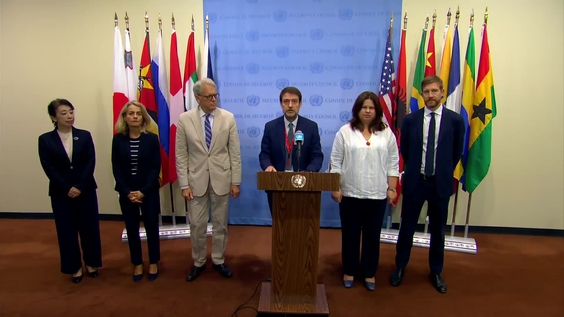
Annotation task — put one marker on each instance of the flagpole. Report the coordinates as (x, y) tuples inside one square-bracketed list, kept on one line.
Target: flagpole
[(186, 206), (391, 207), (170, 184), (453, 223), (470, 195), (404, 28)]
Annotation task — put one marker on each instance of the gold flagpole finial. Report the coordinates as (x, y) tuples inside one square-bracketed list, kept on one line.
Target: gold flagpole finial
[(457, 16), (486, 16), (449, 15), (173, 22), (126, 21), (472, 18), (160, 23), (434, 18), (192, 25), (405, 20), (392, 20), (146, 22), (427, 21), (207, 23), (115, 20)]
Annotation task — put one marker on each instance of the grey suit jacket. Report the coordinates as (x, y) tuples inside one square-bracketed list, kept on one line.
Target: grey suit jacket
[(196, 165)]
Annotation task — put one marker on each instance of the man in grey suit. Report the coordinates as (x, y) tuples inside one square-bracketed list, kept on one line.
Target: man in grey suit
[(208, 163)]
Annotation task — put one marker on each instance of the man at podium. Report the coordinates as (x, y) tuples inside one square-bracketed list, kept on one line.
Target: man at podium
[(291, 142)]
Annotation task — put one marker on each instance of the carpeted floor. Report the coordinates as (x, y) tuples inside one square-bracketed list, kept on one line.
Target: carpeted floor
[(510, 276)]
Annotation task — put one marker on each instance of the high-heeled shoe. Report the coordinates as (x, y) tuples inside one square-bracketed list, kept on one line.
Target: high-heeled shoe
[(370, 285), (77, 279), (93, 273), (138, 277), (153, 276)]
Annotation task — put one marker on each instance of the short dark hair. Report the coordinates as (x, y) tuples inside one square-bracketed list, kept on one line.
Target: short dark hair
[(53, 105), (291, 90), (431, 80), (377, 124)]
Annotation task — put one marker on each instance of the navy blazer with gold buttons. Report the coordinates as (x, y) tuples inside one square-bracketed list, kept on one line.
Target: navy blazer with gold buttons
[(63, 173)]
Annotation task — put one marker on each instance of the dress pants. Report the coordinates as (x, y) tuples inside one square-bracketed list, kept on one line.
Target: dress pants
[(150, 208), (198, 213), (438, 211), (361, 216), (76, 217)]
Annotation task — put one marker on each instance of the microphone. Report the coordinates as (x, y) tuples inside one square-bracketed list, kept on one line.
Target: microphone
[(299, 140)]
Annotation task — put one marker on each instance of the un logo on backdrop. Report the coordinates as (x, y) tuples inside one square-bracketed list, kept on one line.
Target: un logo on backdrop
[(282, 51), (347, 50), (316, 67), (253, 132), (252, 68), (212, 17), (252, 36), (280, 15), (316, 34), (320, 131), (316, 100), (345, 116), (347, 83), (345, 14), (253, 100), (282, 83)]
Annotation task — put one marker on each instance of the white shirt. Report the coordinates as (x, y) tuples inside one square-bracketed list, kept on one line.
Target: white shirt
[(365, 168), (66, 139), (426, 122), (203, 116)]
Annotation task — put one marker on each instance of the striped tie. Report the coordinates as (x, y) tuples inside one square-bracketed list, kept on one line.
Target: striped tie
[(208, 131)]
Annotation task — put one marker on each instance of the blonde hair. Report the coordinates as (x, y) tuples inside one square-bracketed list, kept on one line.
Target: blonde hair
[(121, 125)]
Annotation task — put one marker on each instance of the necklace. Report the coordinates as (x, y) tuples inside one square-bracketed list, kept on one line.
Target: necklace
[(367, 143)]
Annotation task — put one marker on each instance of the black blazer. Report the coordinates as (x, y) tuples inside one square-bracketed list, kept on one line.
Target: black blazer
[(62, 173), (273, 146), (149, 164), (449, 150)]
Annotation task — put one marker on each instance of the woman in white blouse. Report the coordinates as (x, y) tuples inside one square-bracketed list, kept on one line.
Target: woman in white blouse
[(365, 153), (68, 159)]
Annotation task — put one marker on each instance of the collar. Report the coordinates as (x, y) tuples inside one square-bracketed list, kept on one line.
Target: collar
[(286, 122), (438, 112), (203, 114)]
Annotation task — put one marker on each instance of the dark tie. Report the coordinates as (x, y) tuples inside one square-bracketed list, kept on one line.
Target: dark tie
[(208, 130), (430, 154), (290, 141)]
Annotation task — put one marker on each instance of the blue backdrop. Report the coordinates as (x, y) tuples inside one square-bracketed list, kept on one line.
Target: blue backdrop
[(330, 50)]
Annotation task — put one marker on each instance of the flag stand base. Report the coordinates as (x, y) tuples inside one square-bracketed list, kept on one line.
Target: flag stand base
[(423, 240), (181, 231)]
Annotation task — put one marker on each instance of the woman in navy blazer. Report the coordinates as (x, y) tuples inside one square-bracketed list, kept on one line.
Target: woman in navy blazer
[(136, 164), (68, 158)]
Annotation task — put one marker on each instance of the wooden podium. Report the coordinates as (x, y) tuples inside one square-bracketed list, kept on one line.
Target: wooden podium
[(296, 209)]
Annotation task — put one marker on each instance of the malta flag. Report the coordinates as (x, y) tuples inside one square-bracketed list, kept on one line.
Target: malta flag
[(120, 80), (481, 117), (431, 64), (158, 68), (146, 90), (190, 74), (132, 79), (417, 102), (176, 104), (207, 68)]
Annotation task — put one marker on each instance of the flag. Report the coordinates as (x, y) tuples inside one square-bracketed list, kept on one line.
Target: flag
[(417, 101), (132, 79), (207, 68), (445, 63), (400, 104), (158, 68), (388, 82), (453, 101), (431, 62), (146, 92), (176, 104), (467, 101), (120, 79), (190, 74), (481, 116)]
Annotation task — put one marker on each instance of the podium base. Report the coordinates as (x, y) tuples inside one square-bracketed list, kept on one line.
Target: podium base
[(168, 232), (423, 240), (268, 304)]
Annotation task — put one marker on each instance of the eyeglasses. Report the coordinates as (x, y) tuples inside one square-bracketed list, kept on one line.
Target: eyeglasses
[(210, 97)]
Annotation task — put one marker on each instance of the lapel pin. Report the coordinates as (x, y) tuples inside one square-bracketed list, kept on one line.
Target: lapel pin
[(75, 138)]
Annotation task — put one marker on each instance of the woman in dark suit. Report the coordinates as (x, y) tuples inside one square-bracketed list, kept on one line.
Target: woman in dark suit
[(68, 158), (136, 164)]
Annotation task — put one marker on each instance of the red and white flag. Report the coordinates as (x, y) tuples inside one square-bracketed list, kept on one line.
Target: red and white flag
[(120, 80), (176, 105), (190, 74), (130, 73)]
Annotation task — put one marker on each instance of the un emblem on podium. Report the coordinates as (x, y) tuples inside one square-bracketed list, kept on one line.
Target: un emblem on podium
[(298, 181)]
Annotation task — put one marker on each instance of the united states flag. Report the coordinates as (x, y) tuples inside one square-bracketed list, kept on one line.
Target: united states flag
[(388, 83)]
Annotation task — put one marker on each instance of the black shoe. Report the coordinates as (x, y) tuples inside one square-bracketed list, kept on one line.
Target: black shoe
[(397, 277), (438, 282), (76, 279), (153, 276), (138, 277), (223, 270), (195, 272), (93, 273)]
